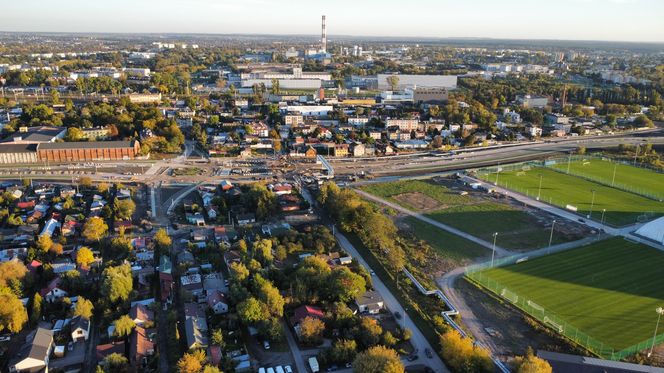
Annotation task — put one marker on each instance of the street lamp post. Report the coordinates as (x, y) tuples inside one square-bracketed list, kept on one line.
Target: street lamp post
[(592, 204), (493, 252), (615, 168), (539, 190), (660, 312), (603, 212), (553, 224)]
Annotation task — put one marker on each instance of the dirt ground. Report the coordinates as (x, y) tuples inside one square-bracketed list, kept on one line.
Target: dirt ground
[(511, 331), (420, 201)]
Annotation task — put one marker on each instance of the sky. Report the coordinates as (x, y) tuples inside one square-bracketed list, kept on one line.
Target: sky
[(612, 20)]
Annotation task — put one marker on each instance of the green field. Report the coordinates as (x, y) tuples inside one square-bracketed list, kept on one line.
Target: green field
[(446, 244), (622, 208), (630, 178), (608, 290), (516, 228)]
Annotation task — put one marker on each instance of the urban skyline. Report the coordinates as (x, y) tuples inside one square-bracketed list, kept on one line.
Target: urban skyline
[(606, 20)]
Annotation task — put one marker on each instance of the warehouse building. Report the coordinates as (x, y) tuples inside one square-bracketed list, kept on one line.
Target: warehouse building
[(18, 153), (88, 151)]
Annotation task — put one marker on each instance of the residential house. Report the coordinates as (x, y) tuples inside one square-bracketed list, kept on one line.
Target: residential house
[(303, 312), (217, 302), (370, 302), (141, 315), (80, 328), (231, 257), (52, 291), (141, 347), (34, 355), (195, 326)]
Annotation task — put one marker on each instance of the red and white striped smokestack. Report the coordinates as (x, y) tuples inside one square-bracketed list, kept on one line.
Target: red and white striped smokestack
[(324, 37)]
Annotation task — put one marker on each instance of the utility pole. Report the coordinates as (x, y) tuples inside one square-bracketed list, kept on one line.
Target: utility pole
[(592, 204), (569, 161), (602, 220), (615, 168), (539, 190), (659, 311), (493, 253), (553, 224), (636, 153)]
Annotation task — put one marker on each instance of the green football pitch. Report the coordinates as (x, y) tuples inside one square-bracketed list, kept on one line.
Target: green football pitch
[(623, 176), (608, 290), (560, 189)]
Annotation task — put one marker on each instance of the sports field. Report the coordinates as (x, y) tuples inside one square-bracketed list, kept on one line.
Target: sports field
[(608, 290), (560, 189), (516, 228), (627, 177)]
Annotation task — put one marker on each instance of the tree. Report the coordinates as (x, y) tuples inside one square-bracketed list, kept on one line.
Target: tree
[(83, 308), (239, 272), (344, 350), (35, 313), (115, 362), (272, 298), (11, 271), (581, 150), (252, 311), (55, 97), (124, 208), (369, 332), (12, 313), (311, 330), (211, 369), (263, 251), (84, 257), (344, 285), (393, 82), (74, 134), (123, 326), (56, 248), (378, 359), (191, 362), (44, 242), (103, 188), (531, 363), (117, 283), (85, 181), (461, 355), (162, 240), (218, 338), (94, 229)]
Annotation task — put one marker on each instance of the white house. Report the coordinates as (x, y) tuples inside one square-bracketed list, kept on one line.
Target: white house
[(217, 302), (80, 328), (34, 355)]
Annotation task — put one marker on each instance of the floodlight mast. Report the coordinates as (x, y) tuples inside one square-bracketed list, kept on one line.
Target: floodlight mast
[(660, 312)]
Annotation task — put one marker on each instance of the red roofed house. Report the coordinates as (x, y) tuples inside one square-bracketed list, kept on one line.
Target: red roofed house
[(34, 265), (303, 312), (26, 205), (214, 354), (53, 292), (217, 302), (110, 348), (140, 314), (140, 349)]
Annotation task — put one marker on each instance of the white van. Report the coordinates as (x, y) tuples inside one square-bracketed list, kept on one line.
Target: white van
[(279, 369)]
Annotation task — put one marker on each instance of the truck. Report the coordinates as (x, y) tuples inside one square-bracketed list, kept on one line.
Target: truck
[(313, 365)]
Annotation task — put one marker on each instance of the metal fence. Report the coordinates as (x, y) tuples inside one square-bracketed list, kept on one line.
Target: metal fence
[(477, 274)]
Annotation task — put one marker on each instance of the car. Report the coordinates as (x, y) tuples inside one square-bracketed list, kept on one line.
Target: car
[(270, 370), (581, 220), (397, 315), (266, 345), (412, 357), (5, 338), (349, 365), (261, 370), (70, 346), (279, 369), (332, 368), (288, 369), (428, 352), (372, 272)]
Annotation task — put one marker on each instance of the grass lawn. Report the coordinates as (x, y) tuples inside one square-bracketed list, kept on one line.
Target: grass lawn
[(516, 229), (622, 208), (446, 244), (639, 180), (608, 290), (428, 188)]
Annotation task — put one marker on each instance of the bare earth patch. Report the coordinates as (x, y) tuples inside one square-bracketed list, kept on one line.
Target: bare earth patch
[(417, 200)]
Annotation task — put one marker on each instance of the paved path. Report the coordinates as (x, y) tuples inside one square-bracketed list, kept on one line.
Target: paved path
[(500, 251), (298, 357), (418, 340)]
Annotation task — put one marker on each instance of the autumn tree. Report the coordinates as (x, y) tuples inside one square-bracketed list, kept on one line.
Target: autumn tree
[(36, 311), (378, 359), (84, 257), (124, 208), (162, 240), (115, 363), (531, 363), (393, 82), (94, 229), (252, 311), (44, 243), (239, 272), (369, 332), (191, 362), (83, 308), (311, 330), (123, 326), (270, 295), (263, 251), (56, 248), (343, 350), (344, 285), (12, 271), (12, 313), (461, 355), (117, 283)]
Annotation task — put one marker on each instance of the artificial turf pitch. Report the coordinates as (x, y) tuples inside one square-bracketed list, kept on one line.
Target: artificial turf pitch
[(608, 290)]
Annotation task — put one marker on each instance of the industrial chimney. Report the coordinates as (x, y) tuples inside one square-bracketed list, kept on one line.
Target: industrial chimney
[(324, 37)]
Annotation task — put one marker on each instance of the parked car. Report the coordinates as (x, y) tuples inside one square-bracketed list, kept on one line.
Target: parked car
[(413, 357), (428, 352), (270, 370), (266, 345), (5, 338), (288, 369), (279, 369), (397, 315)]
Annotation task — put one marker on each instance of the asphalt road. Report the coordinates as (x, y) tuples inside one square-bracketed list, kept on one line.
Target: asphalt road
[(418, 340)]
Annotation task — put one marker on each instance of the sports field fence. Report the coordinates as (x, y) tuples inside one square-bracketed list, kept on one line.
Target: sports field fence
[(477, 274)]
